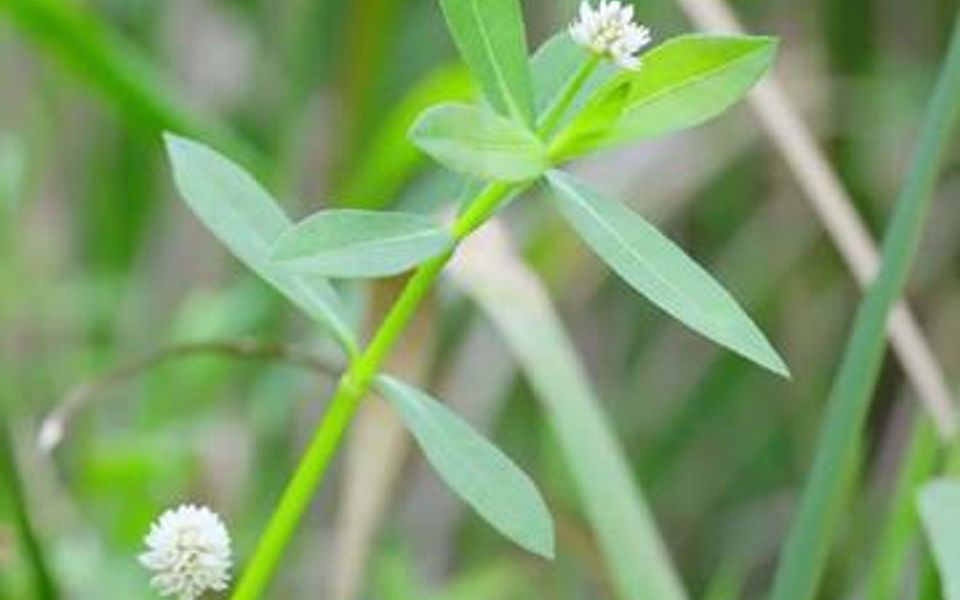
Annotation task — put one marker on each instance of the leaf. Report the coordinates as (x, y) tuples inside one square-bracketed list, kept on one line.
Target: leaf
[(683, 82), (471, 140), (490, 37), (658, 269), (519, 306), (474, 468), (360, 243), (939, 504), (246, 219), (555, 64)]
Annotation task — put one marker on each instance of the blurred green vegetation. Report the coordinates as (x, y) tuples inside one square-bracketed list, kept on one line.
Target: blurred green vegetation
[(101, 265)]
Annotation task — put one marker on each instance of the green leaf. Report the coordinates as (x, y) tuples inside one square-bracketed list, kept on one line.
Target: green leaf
[(683, 82), (360, 243), (246, 219), (658, 269), (555, 64), (490, 37), (939, 503), (474, 468), (471, 140), (519, 305)]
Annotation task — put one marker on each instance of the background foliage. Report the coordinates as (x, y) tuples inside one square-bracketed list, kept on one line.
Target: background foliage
[(100, 265)]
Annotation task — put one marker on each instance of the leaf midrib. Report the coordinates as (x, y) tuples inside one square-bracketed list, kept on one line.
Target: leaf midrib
[(692, 81), (619, 238), (512, 106), (373, 243)]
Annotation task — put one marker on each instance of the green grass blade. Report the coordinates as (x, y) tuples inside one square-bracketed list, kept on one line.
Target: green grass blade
[(11, 486), (519, 307), (389, 159), (804, 559), (108, 62)]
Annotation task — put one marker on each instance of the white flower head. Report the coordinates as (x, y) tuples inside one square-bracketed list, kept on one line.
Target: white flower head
[(188, 549), (609, 30)]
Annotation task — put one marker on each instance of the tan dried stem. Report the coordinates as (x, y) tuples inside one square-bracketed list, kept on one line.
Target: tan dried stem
[(54, 426)]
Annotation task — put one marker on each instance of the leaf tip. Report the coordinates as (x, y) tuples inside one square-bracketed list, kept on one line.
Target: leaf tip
[(547, 550), (779, 366)]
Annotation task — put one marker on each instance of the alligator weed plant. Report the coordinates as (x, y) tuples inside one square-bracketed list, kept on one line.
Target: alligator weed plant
[(588, 88)]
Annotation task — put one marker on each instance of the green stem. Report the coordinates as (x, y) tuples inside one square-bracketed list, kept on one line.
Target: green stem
[(351, 389), (558, 109)]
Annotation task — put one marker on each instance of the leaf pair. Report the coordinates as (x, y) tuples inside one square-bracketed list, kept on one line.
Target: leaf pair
[(682, 83), (247, 220)]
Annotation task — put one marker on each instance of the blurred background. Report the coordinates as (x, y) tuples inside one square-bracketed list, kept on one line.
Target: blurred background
[(173, 375)]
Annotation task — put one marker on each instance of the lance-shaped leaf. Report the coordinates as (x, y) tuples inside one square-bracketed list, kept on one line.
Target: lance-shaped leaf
[(247, 220), (474, 468), (490, 37), (940, 511), (360, 243), (475, 141), (659, 269), (683, 82)]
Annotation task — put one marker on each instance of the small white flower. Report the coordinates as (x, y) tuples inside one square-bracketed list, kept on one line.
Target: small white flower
[(609, 30), (188, 548)]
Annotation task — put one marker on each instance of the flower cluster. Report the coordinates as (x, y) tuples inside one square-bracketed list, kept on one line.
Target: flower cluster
[(188, 548), (609, 30)]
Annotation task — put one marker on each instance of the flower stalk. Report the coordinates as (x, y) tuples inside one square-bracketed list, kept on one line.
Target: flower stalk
[(556, 112)]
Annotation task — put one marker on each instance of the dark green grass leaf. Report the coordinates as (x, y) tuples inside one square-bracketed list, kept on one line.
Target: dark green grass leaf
[(804, 559)]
